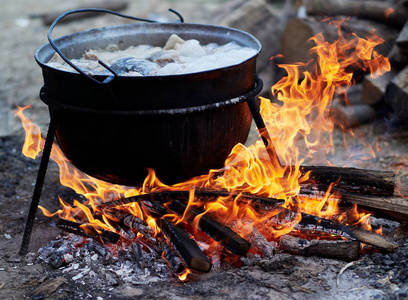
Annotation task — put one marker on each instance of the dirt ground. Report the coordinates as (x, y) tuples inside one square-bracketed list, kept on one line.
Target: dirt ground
[(284, 277)]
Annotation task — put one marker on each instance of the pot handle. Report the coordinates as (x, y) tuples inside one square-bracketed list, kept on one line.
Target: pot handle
[(110, 78)]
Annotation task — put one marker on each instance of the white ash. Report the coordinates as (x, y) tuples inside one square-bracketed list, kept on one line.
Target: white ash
[(178, 56), (84, 259)]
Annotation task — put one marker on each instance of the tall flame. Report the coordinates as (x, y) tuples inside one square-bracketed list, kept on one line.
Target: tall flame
[(298, 122)]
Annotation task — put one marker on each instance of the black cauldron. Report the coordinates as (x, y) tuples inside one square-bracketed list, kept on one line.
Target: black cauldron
[(114, 127)]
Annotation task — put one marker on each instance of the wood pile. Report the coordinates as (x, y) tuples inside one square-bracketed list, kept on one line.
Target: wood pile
[(370, 96)]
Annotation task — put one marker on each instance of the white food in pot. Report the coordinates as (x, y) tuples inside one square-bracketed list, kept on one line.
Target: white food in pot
[(176, 57)]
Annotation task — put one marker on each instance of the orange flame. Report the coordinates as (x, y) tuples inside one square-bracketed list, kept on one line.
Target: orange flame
[(184, 275), (33, 142), (300, 127)]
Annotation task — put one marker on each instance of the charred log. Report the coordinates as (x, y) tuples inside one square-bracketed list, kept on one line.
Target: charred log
[(296, 41), (391, 207), (175, 263), (384, 12), (185, 246), (127, 219), (87, 230), (356, 233), (166, 196), (394, 207), (217, 231), (353, 180), (338, 249), (310, 222)]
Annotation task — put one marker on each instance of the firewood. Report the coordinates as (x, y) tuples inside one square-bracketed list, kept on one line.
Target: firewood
[(295, 43), (115, 5), (338, 249), (401, 232), (397, 94), (392, 206), (185, 246), (356, 233), (165, 196), (402, 39), (310, 222), (361, 181), (175, 263), (180, 239), (126, 218), (398, 59), (217, 231), (77, 228), (137, 253), (374, 88), (384, 12)]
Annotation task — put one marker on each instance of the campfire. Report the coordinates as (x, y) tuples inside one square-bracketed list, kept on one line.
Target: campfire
[(274, 195)]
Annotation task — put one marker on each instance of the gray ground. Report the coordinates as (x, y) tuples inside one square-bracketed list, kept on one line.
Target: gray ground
[(283, 277)]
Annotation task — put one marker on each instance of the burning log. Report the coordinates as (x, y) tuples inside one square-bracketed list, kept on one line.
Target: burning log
[(356, 233), (361, 181), (137, 254), (217, 231), (391, 206), (180, 239), (175, 263), (298, 31), (185, 246), (166, 196), (338, 249), (100, 234), (315, 223), (384, 12), (129, 220)]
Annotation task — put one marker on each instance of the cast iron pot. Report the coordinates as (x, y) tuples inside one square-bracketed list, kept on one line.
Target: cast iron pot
[(114, 127)]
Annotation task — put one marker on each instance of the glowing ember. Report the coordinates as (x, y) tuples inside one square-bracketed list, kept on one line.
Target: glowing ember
[(299, 117), (388, 12)]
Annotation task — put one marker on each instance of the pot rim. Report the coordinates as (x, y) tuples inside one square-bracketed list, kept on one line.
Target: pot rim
[(189, 26)]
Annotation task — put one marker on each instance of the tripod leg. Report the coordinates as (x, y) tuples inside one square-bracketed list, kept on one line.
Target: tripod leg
[(260, 124), (40, 182)]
